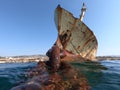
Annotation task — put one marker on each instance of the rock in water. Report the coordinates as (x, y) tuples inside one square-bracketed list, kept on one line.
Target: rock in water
[(66, 78), (54, 57)]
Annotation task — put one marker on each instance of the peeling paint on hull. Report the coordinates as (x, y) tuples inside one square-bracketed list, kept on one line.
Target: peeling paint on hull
[(74, 35)]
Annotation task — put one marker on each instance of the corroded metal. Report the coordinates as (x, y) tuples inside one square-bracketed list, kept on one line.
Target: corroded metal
[(75, 36)]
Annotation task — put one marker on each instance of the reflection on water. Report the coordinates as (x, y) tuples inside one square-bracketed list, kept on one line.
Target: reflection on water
[(92, 71), (101, 76), (111, 76), (104, 75)]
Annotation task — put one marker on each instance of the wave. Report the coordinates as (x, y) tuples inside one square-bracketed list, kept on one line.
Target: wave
[(12, 74), (103, 75), (111, 61)]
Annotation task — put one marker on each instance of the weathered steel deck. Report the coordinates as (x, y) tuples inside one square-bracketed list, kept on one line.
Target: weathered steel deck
[(74, 35)]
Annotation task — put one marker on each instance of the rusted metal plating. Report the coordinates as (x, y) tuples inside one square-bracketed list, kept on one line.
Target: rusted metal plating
[(74, 36)]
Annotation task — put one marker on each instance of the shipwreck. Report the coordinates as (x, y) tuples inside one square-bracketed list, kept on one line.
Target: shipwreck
[(74, 36), (75, 40)]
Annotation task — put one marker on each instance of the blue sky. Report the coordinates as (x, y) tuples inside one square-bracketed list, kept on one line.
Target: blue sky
[(27, 26)]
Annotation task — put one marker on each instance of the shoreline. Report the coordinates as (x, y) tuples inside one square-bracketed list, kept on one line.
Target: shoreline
[(23, 59), (100, 58), (37, 58)]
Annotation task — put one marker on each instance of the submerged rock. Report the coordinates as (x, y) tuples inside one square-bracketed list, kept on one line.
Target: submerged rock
[(66, 78)]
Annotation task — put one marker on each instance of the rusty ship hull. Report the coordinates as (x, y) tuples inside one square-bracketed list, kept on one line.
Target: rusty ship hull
[(75, 36)]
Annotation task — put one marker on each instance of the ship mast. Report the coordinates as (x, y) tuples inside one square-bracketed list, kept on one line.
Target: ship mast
[(83, 10)]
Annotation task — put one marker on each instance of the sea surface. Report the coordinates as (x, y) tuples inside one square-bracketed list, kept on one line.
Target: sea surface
[(103, 75)]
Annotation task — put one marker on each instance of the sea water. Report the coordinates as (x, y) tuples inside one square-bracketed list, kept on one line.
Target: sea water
[(103, 75), (110, 79), (13, 74)]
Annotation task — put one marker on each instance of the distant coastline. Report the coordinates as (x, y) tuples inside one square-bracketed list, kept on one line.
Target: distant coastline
[(108, 58), (23, 59), (37, 58)]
